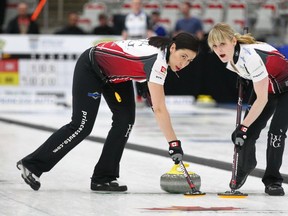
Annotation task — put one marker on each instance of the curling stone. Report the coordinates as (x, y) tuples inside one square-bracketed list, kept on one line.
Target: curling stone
[(174, 181), (205, 101)]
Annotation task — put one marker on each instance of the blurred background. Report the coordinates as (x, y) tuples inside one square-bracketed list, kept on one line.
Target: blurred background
[(36, 62)]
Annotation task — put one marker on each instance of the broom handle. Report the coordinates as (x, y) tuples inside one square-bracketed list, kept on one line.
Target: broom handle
[(238, 121), (188, 178)]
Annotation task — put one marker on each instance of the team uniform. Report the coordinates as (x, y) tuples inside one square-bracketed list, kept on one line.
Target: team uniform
[(256, 62), (119, 62), (131, 60)]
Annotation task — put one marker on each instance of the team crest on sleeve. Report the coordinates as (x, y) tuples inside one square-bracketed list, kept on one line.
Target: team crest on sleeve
[(163, 69)]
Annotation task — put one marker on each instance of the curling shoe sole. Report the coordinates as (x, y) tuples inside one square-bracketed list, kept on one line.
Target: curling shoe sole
[(30, 179), (112, 186), (274, 189)]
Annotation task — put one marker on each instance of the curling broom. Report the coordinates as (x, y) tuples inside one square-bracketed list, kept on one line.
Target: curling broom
[(194, 191), (233, 193)]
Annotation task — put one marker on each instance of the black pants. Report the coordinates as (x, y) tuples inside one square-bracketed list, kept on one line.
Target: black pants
[(276, 107), (85, 107)]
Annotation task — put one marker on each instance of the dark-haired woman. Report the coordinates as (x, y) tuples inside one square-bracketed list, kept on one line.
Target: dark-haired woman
[(108, 69)]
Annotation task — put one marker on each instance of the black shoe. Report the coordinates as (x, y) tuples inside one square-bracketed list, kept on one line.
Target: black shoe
[(112, 186), (240, 180), (32, 180), (274, 189)]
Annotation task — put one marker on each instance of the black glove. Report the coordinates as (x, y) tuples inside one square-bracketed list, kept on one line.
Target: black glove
[(244, 82), (142, 89), (239, 135), (175, 151)]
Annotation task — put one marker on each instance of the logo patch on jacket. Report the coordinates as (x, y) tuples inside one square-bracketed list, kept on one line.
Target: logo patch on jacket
[(163, 69), (94, 95)]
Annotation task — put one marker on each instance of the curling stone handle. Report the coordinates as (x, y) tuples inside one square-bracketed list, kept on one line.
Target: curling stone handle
[(174, 170)]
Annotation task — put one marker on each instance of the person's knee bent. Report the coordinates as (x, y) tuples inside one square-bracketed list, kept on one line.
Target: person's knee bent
[(123, 122), (276, 139), (83, 127), (124, 117)]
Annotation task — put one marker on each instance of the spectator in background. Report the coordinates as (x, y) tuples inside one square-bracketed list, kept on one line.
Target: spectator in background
[(2, 13), (103, 28), (136, 22), (118, 20), (136, 26), (189, 23), (71, 27), (22, 23), (158, 29)]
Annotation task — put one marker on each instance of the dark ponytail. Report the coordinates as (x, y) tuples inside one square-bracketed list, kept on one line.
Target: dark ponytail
[(182, 41), (160, 42)]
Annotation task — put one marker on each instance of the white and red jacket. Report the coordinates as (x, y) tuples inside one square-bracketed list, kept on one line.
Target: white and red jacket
[(257, 61), (127, 60)]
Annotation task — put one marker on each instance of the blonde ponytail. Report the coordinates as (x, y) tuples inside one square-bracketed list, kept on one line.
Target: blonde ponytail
[(245, 38), (222, 31)]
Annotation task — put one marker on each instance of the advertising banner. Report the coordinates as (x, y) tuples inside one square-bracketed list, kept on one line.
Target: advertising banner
[(39, 68)]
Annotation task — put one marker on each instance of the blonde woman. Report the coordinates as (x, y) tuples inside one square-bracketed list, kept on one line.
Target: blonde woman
[(268, 70)]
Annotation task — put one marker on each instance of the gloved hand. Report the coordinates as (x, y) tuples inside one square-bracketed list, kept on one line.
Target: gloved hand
[(244, 82), (142, 89), (239, 135), (175, 151)]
